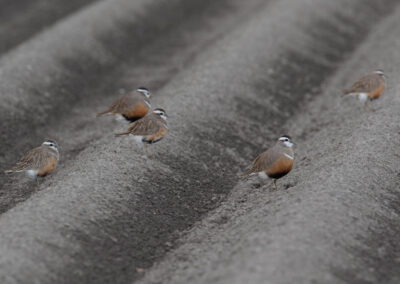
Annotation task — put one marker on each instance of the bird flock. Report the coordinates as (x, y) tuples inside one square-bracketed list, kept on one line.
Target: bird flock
[(150, 127)]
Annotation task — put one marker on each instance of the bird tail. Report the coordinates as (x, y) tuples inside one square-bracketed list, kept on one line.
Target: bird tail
[(247, 174), (346, 92), (103, 113), (10, 171), (121, 134)]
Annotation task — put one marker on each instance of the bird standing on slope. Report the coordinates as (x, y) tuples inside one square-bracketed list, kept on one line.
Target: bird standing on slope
[(368, 88), (132, 106), (274, 163), (39, 161), (148, 130)]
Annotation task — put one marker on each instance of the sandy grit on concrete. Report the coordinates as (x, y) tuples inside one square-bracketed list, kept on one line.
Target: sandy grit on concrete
[(229, 89), (336, 217)]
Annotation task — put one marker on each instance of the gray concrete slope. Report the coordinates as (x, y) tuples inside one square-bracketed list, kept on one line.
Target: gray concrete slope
[(106, 211), (54, 84), (336, 217), (22, 19)]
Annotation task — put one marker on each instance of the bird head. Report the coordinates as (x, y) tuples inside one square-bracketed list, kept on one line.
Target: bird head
[(161, 113), (380, 72), (144, 91), (285, 140), (52, 144)]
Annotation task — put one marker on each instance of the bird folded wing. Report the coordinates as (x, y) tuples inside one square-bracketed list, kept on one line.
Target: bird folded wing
[(263, 162), (365, 84), (145, 126), (31, 160)]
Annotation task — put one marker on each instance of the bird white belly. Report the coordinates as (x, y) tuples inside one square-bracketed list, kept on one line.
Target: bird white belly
[(120, 118), (263, 175), (363, 97), (31, 173), (137, 139)]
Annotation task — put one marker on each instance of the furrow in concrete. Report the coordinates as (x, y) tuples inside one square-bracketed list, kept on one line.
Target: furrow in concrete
[(108, 211), (22, 19), (95, 61), (335, 218)]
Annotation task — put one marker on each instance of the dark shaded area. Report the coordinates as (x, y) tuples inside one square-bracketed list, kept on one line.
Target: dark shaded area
[(173, 203), (138, 42), (126, 220), (22, 19)]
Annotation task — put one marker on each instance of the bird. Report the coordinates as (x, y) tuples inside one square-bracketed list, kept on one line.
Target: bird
[(274, 163), (131, 107), (368, 88), (39, 161), (148, 130)]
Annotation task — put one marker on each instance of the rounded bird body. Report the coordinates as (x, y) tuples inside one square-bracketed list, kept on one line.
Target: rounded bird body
[(39, 161), (368, 88), (148, 130), (132, 106), (276, 162)]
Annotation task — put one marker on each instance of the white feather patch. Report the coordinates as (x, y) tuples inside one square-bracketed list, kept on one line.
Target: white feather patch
[(138, 139), (119, 117), (288, 144), (363, 97), (263, 175), (288, 156), (31, 173)]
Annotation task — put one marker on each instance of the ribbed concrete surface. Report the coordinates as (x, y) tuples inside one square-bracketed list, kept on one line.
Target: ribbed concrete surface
[(232, 76)]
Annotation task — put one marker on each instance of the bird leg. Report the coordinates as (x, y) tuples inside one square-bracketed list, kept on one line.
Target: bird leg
[(146, 150), (37, 183), (274, 185), (367, 107)]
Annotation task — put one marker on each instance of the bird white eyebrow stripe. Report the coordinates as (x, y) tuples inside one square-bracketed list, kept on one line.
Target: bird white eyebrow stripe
[(290, 157)]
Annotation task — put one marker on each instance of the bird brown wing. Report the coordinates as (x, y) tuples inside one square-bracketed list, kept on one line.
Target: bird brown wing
[(366, 84), (119, 105), (263, 161), (31, 160), (146, 126)]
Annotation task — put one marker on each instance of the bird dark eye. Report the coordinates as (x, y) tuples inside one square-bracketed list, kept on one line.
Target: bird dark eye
[(52, 145)]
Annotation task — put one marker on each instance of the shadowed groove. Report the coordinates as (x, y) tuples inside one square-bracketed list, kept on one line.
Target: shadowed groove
[(138, 218)]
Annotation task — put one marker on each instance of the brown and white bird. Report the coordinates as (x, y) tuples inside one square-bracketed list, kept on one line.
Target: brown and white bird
[(274, 163), (368, 88), (39, 161), (148, 130), (130, 107)]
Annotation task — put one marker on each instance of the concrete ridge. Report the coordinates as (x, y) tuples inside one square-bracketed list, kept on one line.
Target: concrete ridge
[(106, 212)]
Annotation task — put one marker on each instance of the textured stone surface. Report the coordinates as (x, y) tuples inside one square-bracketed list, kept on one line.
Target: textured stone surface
[(233, 76)]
